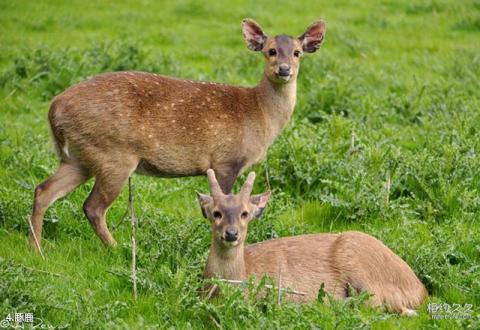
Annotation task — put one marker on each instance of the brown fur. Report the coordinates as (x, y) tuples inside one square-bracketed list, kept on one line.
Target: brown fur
[(118, 123), (305, 262)]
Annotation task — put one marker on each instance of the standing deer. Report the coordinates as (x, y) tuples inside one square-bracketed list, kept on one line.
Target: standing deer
[(303, 263), (118, 123)]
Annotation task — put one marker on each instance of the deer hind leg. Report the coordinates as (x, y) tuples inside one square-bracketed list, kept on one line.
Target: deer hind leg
[(65, 179), (409, 312), (108, 185), (390, 298)]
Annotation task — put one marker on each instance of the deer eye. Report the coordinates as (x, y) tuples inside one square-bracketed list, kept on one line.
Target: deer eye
[(217, 215), (244, 214), (296, 53), (272, 52)]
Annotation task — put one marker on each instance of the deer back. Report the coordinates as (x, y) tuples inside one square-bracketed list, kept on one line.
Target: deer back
[(175, 126)]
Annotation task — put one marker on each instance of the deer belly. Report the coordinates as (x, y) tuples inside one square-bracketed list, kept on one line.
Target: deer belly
[(171, 168), (255, 156)]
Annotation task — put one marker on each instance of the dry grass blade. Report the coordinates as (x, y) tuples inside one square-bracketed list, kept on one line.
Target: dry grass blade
[(134, 238), (268, 286), (43, 271), (35, 237)]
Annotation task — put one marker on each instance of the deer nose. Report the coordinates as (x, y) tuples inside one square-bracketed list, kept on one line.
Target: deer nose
[(231, 234), (284, 69)]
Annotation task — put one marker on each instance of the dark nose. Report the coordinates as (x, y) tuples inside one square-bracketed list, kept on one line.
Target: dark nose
[(231, 234), (284, 69)]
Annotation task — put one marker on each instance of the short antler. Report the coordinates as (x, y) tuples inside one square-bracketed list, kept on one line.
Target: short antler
[(215, 189), (248, 185)]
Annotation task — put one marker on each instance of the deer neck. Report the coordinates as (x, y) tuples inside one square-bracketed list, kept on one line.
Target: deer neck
[(277, 101), (225, 263)]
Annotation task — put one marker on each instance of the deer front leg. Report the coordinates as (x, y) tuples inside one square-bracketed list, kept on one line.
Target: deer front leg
[(227, 174)]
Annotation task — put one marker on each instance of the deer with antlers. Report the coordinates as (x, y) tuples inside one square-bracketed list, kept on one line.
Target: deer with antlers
[(304, 262)]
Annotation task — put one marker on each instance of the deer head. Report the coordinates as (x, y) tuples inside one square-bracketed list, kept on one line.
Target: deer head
[(282, 53), (230, 214)]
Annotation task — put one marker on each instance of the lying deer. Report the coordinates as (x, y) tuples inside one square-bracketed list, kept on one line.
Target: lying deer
[(304, 262), (118, 123)]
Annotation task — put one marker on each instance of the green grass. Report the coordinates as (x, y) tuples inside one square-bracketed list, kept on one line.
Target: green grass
[(401, 77)]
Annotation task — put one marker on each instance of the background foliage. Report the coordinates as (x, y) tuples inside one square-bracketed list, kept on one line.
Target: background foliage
[(392, 94)]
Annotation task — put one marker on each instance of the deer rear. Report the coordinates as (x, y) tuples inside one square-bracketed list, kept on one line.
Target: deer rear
[(118, 123), (303, 263)]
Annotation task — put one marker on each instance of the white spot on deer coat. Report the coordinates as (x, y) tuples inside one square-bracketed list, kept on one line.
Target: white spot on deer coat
[(65, 149)]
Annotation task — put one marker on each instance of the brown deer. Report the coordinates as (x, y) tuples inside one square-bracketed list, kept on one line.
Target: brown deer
[(303, 263), (118, 123)]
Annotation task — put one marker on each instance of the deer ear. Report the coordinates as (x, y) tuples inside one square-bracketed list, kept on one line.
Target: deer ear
[(204, 201), (260, 202), (313, 37), (253, 34)]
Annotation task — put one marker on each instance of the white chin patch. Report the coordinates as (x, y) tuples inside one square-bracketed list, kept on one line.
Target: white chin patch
[(284, 78), (231, 244)]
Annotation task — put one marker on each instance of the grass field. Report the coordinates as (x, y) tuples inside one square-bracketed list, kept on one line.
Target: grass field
[(393, 94)]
